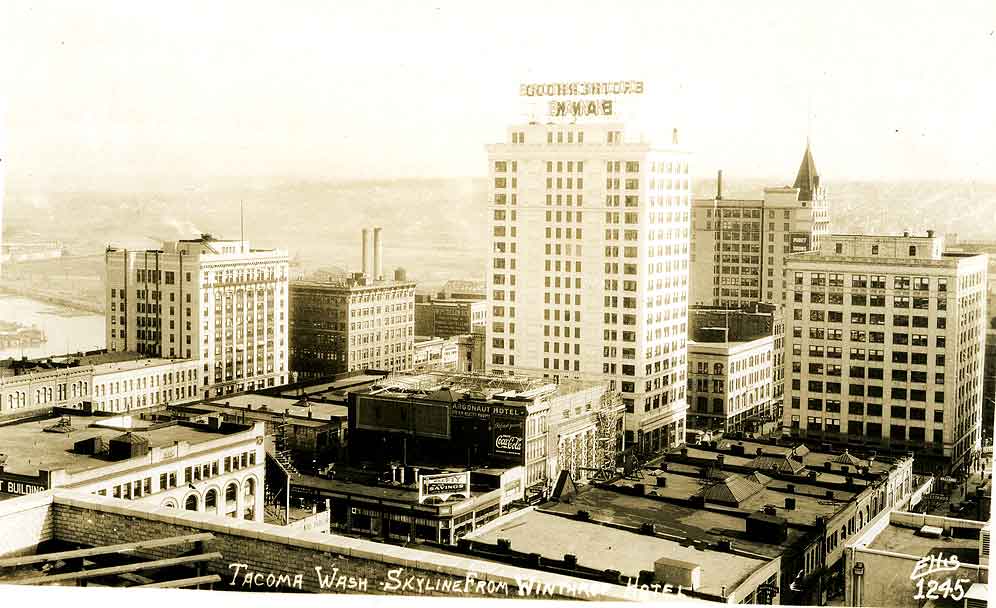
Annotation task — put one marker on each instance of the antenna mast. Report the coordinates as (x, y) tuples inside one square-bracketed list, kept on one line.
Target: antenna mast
[(242, 221)]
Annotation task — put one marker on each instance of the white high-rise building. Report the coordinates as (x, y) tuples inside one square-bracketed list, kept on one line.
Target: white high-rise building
[(215, 300), (588, 271)]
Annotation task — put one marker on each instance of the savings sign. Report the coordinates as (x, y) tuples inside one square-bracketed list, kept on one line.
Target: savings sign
[(509, 436), (443, 486)]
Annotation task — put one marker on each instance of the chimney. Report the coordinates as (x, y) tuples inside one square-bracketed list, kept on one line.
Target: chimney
[(674, 136), (366, 256), (930, 234), (378, 262), (719, 186)]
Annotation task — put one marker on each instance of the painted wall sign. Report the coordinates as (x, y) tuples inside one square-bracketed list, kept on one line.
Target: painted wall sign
[(20, 487), (509, 436)]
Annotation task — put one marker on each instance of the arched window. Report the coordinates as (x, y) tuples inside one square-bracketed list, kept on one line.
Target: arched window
[(231, 493), (211, 500), (191, 503), (250, 488), (74, 389), (37, 396), (717, 368)]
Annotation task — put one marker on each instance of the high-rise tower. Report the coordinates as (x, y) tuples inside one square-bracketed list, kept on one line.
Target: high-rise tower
[(588, 271)]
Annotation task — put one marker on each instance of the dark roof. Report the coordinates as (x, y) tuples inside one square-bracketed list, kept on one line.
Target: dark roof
[(734, 490), (807, 179), (848, 458), (782, 463)]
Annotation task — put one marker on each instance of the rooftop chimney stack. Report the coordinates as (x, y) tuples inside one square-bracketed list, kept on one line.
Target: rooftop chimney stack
[(719, 186), (378, 255), (674, 136), (366, 255)]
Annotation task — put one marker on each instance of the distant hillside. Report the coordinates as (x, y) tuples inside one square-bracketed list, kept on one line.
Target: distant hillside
[(435, 228)]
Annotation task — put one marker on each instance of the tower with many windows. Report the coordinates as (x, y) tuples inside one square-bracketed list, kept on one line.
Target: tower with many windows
[(588, 272), (218, 301), (885, 345)]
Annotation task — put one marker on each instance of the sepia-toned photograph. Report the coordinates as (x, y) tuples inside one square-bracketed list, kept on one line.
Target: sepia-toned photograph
[(677, 302)]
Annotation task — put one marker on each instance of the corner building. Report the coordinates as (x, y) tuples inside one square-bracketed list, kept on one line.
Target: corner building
[(886, 347), (588, 275), (218, 301)]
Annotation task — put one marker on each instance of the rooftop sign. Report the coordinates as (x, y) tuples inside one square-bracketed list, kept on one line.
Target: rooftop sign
[(571, 89)]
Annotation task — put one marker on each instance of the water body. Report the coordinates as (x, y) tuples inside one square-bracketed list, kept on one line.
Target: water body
[(68, 330)]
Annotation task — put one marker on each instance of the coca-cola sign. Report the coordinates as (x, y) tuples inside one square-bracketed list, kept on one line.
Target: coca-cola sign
[(509, 435), (509, 443)]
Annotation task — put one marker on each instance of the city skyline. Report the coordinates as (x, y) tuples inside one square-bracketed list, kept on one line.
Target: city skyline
[(336, 91)]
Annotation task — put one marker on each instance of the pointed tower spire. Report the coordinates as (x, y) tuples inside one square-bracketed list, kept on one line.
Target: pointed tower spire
[(807, 180)]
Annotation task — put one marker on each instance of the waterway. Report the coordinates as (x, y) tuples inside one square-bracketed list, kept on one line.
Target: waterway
[(68, 330)]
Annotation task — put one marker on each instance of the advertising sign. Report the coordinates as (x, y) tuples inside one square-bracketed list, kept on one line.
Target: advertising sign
[(509, 436), (443, 486), (571, 89), (799, 241), (412, 417)]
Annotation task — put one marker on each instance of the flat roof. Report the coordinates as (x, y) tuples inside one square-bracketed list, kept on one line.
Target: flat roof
[(118, 366), (400, 493), (810, 501), (29, 448), (628, 552), (671, 518), (319, 410), (900, 539), (324, 387)]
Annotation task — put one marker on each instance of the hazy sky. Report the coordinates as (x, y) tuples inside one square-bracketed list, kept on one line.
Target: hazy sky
[(898, 89)]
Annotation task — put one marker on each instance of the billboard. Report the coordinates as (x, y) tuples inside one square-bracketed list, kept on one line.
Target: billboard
[(444, 486), (420, 418), (799, 241), (509, 436)]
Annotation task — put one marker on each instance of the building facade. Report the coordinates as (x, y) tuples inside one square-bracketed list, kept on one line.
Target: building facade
[(739, 246), (352, 324), (178, 465), (216, 301), (886, 346), (730, 383), (100, 383), (588, 274)]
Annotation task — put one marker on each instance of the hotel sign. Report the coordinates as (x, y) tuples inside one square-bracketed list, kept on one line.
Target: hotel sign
[(573, 89), (443, 486)]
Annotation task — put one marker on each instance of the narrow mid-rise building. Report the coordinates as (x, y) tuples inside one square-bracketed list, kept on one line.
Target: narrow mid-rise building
[(739, 246)]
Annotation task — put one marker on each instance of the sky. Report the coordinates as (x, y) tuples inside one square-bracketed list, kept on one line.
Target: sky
[(340, 90)]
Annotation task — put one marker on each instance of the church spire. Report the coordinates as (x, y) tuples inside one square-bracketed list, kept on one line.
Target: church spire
[(807, 180)]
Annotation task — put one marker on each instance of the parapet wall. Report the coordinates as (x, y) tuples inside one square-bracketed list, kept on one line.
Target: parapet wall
[(266, 557)]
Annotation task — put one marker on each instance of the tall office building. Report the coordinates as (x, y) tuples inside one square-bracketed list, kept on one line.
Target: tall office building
[(210, 299), (588, 273), (739, 245), (364, 321), (886, 346)]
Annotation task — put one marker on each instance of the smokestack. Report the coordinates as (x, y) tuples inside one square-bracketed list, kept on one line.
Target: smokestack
[(366, 256), (719, 186), (378, 255), (674, 136)]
